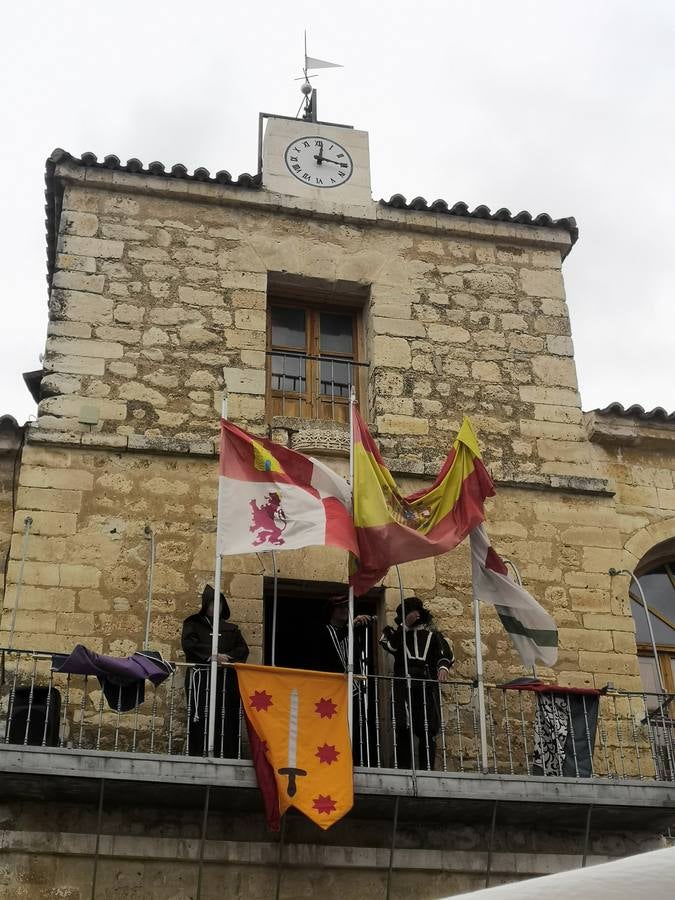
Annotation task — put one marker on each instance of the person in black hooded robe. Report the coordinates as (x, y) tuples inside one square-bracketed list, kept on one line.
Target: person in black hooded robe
[(429, 657), (196, 641)]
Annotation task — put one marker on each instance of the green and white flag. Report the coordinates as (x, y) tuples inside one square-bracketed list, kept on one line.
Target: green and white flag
[(530, 627)]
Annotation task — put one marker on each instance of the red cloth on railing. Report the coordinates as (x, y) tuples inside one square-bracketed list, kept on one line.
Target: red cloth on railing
[(541, 687)]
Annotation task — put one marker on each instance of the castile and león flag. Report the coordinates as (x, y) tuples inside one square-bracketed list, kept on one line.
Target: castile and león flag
[(274, 498)]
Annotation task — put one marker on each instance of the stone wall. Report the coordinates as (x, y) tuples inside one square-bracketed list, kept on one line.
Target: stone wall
[(154, 854), (88, 556), (158, 301)]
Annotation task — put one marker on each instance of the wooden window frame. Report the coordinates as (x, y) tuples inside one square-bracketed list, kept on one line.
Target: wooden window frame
[(312, 404)]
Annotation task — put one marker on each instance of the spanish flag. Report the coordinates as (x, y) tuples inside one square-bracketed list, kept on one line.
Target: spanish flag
[(299, 735), (391, 528)]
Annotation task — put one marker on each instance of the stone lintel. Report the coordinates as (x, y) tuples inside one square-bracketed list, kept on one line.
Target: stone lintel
[(629, 432), (371, 214)]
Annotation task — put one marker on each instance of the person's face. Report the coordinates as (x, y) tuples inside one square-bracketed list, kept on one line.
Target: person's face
[(209, 609), (340, 615)]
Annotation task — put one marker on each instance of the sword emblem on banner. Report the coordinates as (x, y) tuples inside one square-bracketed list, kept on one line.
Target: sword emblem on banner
[(291, 771)]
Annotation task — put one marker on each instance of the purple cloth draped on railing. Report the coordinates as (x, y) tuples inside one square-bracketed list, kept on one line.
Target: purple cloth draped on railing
[(122, 679)]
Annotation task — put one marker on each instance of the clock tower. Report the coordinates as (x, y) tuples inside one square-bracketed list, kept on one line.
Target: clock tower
[(316, 160)]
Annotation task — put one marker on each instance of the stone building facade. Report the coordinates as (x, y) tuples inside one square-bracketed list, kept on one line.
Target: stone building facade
[(160, 291)]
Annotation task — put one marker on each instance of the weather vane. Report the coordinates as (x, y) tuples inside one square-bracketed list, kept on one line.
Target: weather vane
[(309, 92)]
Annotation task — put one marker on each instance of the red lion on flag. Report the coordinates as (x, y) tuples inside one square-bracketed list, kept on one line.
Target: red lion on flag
[(269, 520)]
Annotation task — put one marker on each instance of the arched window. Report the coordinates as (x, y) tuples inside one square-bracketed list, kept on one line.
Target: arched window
[(656, 573)]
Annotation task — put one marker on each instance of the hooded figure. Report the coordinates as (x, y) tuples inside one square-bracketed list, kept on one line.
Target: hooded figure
[(196, 641), (429, 657)]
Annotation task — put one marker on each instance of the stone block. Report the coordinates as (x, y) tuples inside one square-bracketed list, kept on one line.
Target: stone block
[(30, 623), (250, 319), (128, 313), (598, 560), (583, 639), (489, 283), (391, 352), (155, 337), (447, 333), (486, 371), (666, 498), (46, 523), (196, 336), (418, 575), (75, 263), (155, 271), (70, 405), (398, 327), (637, 495), (78, 281), (197, 297), (79, 576), (134, 390), (554, 371), (606, 622), (117, 333), (42, 574), (525, 343), (565, 451), (80, 306), (397, 424), (244, 381), (90, 247), (69, 329), (92, 348), (550, 396), (542, 283), (49, 499), (588, 536), (247, 586), (252, 409), (83, 224), (560, 345), (245, 340), (59, 478), (48, 599), (608, 663), (78, 623)]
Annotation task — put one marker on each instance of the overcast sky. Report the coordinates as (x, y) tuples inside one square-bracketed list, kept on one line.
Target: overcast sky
[(559, 107)]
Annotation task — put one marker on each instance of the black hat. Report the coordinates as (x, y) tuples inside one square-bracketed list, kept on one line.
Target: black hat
[(413, 604), (208, 596), (331, 603)]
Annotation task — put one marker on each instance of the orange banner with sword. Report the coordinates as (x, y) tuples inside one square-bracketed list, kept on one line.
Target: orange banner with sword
[(299, 718)]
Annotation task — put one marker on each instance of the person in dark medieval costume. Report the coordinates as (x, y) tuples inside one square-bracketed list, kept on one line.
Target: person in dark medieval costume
[(331, 648), (196, 641), (429, 657)]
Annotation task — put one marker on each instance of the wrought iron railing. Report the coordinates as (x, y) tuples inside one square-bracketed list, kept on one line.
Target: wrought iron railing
[(306, 386), (618, 735)]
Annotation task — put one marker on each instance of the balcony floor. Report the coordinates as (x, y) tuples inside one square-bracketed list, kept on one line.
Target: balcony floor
[(41, 773)]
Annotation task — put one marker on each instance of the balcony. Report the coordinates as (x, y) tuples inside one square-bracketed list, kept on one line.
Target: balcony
[(55, 724)]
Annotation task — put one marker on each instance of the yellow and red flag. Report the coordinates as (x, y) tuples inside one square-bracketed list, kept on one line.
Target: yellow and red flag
[(300, 741), (391, 528)]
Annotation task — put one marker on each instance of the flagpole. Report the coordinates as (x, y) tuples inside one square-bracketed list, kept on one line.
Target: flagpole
[(275, 591), (411, 732), (215, 628), (350, 633), (481, 685)]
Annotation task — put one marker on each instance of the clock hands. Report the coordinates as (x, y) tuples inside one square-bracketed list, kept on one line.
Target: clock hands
[(321, 158)]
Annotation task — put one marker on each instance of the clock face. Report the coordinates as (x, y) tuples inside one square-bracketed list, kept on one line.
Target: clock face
[(319, 162)]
